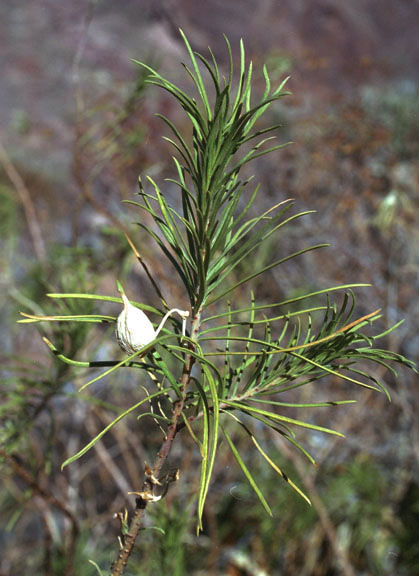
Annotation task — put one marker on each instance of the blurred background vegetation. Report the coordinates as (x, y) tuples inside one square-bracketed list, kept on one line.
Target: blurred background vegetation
[(77, 128)]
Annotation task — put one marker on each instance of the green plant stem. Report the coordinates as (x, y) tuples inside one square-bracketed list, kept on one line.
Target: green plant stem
[(129, 539)]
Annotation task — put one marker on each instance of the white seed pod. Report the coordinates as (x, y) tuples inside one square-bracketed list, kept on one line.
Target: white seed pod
[(134, 330)]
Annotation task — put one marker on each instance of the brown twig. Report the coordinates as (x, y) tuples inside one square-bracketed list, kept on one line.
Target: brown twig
[(28, 206), (146, 270), (107, 461), (324, 518), (83, 181), (47, 561), (49, 498), (141, 504)]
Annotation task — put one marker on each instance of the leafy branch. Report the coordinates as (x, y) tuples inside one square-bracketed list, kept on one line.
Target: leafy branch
[(227, 373)]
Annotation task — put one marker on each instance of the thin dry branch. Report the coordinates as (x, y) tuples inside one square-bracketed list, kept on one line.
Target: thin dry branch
[(50, 500), (324, 518), (26, 201)]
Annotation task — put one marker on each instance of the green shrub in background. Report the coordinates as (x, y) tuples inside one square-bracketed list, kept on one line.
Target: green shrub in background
[(229, 374)]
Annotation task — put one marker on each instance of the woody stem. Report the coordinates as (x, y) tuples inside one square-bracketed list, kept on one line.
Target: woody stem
[(119, 566)]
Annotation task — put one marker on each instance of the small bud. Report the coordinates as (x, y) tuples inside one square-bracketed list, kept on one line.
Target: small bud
[(150, 475), (147, 496)]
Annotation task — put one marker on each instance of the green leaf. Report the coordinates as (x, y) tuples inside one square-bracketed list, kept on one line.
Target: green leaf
[(246, 472), (96, 439), (339, 374), (197, 78), (279, 417), (103, 298), (123, 362), (287, 302), (263, 270), (99, 571), (302, 404), (211, 441), (95, 318), (88, 364), (278, 470)]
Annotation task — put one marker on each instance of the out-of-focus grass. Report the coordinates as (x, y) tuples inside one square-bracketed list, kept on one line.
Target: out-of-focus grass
[(397, 108)]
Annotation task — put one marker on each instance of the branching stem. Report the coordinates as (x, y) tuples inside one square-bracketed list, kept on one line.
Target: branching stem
[(129, 539)]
